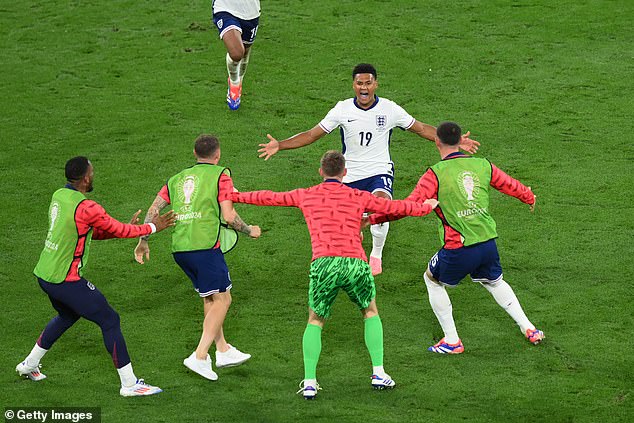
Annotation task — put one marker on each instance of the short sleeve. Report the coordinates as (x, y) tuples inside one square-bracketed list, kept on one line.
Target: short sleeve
[(225, 187), (402, 119), (164, 194), (332, 119)]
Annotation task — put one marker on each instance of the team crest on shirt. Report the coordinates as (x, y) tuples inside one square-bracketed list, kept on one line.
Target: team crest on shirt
[(187, 190), (381, 121)]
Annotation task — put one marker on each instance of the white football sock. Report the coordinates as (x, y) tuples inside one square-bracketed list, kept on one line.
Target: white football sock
[(310, 382), (441, 304), (378, 370), (126, 374), (244, 63), (233, 68), (379, 234), (34, 357), (505, 297)]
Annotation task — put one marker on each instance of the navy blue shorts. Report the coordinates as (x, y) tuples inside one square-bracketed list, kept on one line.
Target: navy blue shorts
[(225, 21), (207, 270), (374, 183), (481, 261), (78, 299)]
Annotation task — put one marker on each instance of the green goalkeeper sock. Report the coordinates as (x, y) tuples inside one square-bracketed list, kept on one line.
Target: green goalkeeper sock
[(374, 339), (312, 348)]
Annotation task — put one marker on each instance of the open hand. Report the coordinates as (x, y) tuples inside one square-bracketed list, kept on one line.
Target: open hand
[(164, 221), (469, 145), (269, 149)]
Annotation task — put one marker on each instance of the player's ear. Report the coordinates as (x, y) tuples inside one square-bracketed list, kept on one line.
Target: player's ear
[(321, 173), (345, 172)]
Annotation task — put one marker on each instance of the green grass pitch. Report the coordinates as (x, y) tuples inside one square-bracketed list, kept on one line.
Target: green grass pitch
[(545, 86)]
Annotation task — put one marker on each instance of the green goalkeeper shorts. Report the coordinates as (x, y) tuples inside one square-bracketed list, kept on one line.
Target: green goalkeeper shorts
[(329, 274)]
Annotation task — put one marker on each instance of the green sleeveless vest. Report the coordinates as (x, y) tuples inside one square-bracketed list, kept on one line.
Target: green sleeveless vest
[(62, 238), (463, 194), (194, 197)]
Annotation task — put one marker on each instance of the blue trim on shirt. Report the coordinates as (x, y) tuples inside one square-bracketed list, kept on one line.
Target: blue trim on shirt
[(343, 141), (376, 101), (69, 186), (455, 155)]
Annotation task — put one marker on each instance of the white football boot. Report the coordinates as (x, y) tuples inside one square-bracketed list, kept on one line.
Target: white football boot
[(309, 389), (140, 388), (32, 372), (383, 381)]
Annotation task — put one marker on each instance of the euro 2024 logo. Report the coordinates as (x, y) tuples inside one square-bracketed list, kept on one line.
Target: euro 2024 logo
[(469, 185), (187, 192), (53, 215)]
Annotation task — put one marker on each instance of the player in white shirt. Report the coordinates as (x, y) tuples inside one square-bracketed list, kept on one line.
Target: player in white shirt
[(366, 123), (237, 22)]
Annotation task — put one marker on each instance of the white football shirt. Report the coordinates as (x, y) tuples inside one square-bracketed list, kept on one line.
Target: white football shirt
[(243, 9), (365, 135)]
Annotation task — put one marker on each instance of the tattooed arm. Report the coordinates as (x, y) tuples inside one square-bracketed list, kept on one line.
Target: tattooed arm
[(142, 248), (232, 218), (156, 207)]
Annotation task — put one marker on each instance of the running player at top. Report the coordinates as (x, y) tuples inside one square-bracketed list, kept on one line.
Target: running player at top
[(333, 213), (366, 123), (237, 22)]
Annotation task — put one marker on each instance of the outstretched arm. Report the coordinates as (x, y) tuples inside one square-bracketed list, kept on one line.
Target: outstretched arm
[(268, 198), (429, 132), (426, 189), (510, 186), (400, 208), (296, 141), (423, 130), (106, 227)]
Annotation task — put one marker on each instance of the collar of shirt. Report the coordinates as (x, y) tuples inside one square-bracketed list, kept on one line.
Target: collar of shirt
[(376, 100), (455, 155), (332, 180), (69, 186)]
